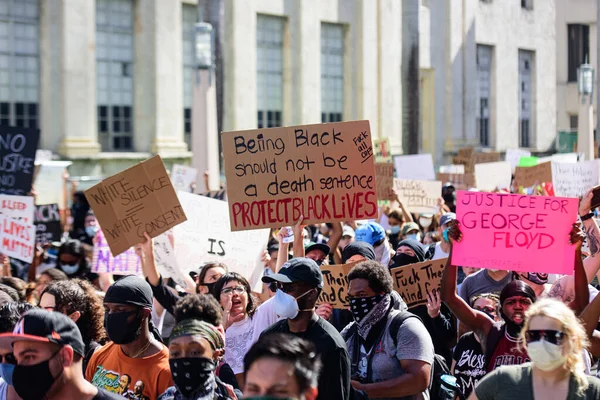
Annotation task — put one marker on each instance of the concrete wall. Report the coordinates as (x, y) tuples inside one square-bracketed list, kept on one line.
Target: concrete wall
[(572, 12)]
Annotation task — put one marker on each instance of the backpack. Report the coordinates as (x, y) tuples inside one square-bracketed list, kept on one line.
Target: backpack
[(439, 367)]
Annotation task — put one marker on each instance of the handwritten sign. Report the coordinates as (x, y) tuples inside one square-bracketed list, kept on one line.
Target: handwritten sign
[(452, 169), (17, 239), (459, 181), (49, 183), (493, 175), (528, 176), (183, 177), (206, 236), (17, 159), (419, 196), (574, 179), (164, 256), (383, 153), (384, 179), (335, 289), (47, 224), (414, 281), (415, 166), (469, 158), (515, 232), (126, 263), (513, 156), (137, 200), (323, 172), (17, 207)]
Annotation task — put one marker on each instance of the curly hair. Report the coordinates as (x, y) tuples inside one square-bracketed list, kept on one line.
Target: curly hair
[(10, 313), (18, 284), (198, 306), (234, 276), (376, 273), (79, 295)]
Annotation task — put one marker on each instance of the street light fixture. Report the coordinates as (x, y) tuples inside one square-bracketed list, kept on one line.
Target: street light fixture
[(585, 125), (585, 82)]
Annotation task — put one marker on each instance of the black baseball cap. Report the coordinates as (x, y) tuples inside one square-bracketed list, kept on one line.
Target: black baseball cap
[(317, 246), (299, 269), (44, 326)]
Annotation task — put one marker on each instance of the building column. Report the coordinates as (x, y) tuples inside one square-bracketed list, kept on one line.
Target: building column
[(158, 96), (411, 101), (68, 78)]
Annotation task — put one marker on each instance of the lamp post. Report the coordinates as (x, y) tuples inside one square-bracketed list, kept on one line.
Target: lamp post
[(205, 136), (585, 130)]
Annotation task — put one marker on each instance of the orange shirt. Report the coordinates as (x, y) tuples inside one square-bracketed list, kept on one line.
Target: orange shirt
[(134, 378)]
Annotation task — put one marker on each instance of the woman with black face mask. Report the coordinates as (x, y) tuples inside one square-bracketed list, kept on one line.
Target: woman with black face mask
[(195, 348)]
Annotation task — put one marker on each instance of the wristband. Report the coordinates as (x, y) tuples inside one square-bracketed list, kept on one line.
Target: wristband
[(445, 235), (586, 216)]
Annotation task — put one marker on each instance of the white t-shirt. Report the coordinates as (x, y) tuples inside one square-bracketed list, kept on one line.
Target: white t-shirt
[(3, 389), (439, 253), (240, 336)]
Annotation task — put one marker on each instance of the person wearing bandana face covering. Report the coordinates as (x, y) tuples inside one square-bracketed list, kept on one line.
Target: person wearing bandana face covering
[(383, 366), (299, 284), (194, 349), (48, 350), (133, 350), (500, 340)]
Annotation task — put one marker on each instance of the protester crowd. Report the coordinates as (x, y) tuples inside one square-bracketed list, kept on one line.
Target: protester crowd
[(70, 333)]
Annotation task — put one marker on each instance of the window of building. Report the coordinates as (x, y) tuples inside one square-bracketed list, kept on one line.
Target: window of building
[(526, 59), (578, 42), (484, 72), (527, 4), (573, 122), (332, 72), (269, 66), (189, 19), (19, 63), (114, 73)]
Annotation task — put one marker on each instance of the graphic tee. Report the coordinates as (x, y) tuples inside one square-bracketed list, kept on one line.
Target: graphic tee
[(470, 364), (132, 378)]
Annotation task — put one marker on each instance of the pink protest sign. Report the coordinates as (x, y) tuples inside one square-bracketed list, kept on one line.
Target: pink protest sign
[(126, 263), (515, 232)]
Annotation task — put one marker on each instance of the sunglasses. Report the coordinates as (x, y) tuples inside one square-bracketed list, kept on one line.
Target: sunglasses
[(488, 310), (284, 287), (237, 290), (8, 359), (550, 336)]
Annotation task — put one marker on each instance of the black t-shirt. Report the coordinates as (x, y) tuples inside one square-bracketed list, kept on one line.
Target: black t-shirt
[(334, 382), (104, 395), (470, 365)]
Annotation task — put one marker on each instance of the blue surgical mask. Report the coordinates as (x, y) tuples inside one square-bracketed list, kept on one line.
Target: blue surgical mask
[(6, 372), (414, 236), (69, 269), (395, 229), (91, 230)]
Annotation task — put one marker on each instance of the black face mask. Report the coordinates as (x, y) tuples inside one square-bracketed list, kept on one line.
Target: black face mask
[(42, 380), (360, 307), (210, 286), (119, 330), (511, 327), (194, 377), (401, 259)]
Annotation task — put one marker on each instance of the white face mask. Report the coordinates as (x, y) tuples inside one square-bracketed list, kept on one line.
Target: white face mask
[(382, 253), (546, 356), (425, 222), (285, 305)]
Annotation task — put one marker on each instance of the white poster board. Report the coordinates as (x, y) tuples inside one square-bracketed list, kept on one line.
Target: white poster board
[(164, 256), (419, 196), (18, 239), (17, 207), (415, 166), (513, 156), (492, 176), (574, 179), (452, 169), (183, 177), (206, 236), (49, 183)]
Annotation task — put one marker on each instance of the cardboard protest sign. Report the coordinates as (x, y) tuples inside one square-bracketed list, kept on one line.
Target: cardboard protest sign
[(183, 177), (459, 181), (17, 158), (384, 180), (126, 263), (49, 183), (323, 172), (564, 158), (335, 289), (574, 179), (164, 256), (17, 207), (47, 224), (206, 236), (17, 239), (513, 156), (528, 176), (383, 152), (493, 175), (137, 200), (469, 158), (452, 169), (419, 196), (515, 232), (414, 281), (415, 166)]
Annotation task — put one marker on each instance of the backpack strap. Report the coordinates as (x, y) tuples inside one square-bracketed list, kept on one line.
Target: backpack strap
[(397, 322)]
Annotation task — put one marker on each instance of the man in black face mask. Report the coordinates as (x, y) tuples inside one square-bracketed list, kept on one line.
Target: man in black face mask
[(133, 349), (49, 350)]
